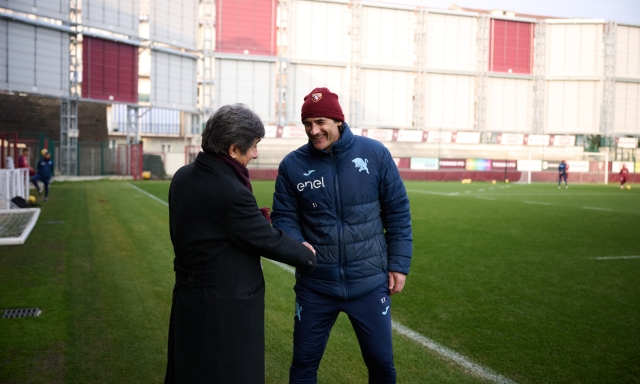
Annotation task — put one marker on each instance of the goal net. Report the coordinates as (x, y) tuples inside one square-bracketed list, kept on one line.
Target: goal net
[(581, 168), (13, 182), (15, 223), (520, 164)]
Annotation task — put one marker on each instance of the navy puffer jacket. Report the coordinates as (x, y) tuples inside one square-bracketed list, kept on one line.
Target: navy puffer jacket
[(351, 205)]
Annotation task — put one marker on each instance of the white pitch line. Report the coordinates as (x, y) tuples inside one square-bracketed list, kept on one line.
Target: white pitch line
[(148, 194), (450, 354), (286, 267), (433, 193), (477, 369), (615, 257), (536, 202), (568, 194), (596, 208)]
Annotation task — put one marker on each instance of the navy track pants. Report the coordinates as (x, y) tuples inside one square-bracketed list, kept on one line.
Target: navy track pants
[(562, 176), (38, 177), (370, 316)]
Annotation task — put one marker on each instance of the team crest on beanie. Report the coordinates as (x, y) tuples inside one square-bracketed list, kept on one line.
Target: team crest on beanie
[(321, 102)]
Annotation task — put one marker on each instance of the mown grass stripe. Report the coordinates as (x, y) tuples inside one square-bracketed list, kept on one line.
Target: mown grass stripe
[(596, 208), (614, 257), (450, 354)]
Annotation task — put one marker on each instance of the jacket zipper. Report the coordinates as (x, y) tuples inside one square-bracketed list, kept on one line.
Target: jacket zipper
[(341, 258)]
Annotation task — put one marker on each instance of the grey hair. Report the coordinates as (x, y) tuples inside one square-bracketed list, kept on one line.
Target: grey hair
[(232, 124)]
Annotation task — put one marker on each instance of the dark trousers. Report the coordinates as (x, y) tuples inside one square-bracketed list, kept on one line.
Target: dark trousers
[(370, 317), (562, 176), (45, 181)]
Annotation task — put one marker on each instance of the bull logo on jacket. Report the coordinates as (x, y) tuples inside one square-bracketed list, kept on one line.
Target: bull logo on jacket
[(361, 164)]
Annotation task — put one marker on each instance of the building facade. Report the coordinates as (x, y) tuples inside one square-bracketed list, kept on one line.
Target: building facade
[(465, 76)]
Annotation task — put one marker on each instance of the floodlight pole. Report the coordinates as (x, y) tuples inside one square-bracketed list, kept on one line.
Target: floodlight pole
[(354, 64), (208, 31), (482, 67), (68, 159)]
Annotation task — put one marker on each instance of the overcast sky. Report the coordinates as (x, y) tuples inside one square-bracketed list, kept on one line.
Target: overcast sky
[(621, 11)]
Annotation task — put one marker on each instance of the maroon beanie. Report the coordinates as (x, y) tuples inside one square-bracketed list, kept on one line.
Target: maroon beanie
[(322, 103)]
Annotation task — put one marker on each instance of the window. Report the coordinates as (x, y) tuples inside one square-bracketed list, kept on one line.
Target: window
[(511, 47)]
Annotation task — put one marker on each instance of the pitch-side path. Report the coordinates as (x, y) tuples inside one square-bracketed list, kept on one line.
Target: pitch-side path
[(476, 369)]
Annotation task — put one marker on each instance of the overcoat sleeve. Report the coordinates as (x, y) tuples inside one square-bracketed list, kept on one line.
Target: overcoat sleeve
[(249, 230)]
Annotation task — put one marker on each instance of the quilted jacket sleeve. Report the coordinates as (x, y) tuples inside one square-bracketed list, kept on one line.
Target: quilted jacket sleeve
[(396, 217), (285, 206)]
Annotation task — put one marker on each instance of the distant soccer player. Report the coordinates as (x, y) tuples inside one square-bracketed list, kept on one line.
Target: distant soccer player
[(23, 162), (623, 175), (45, 169), (562, 174)]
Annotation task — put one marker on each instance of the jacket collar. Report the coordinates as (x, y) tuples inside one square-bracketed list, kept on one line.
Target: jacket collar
[(341, 145), (215, 164)]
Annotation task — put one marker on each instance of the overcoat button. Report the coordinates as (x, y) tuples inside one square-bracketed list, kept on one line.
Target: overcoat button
[(190, 278), (309, 262)]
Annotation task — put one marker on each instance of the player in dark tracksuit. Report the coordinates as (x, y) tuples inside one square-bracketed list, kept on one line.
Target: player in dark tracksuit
[(562, 174), (342, 195), (45, 170)]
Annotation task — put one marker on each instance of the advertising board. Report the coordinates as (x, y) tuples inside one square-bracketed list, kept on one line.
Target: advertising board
[(452, 163), (424, 164), (478, 165)]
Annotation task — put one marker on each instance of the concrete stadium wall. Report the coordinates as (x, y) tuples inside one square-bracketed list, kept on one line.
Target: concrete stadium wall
[(273, 150), (407, 174), (536, 177), (173, 162), (35, 114)]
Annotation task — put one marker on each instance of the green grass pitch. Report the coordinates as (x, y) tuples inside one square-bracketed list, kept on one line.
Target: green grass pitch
[(505, 275)]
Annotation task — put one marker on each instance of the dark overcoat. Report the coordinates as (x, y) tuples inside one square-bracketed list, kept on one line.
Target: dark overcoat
[(216, 331)]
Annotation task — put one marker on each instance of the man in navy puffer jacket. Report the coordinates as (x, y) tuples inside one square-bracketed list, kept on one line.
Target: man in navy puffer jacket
[(343, 196)]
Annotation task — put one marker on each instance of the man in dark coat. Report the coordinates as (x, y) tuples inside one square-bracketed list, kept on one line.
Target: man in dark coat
[(216, 331)]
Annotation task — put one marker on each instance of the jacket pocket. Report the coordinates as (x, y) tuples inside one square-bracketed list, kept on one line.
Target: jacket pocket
[(253, 291)]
